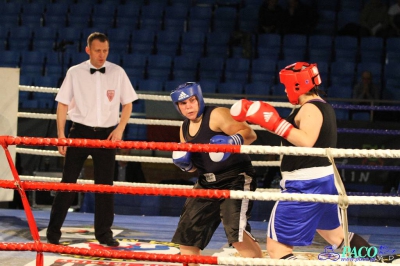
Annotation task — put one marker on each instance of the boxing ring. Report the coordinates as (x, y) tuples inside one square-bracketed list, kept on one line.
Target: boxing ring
[(28, 183)]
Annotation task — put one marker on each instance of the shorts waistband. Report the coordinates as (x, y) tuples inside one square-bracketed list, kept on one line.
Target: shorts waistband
[(308, 173), (78, 125)]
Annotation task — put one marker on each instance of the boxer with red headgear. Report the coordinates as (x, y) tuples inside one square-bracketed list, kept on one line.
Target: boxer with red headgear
[(298, 79), (313, 124)]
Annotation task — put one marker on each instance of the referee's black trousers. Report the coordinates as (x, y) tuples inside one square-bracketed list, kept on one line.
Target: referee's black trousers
[(103, 165)]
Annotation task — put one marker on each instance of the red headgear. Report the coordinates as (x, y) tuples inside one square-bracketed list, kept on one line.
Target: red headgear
[(298, 79)]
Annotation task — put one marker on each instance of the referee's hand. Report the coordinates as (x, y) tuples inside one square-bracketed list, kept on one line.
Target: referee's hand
[(62, 150), (115, 135)]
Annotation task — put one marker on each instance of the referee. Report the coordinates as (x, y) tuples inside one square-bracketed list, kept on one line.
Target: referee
[(91, 95)]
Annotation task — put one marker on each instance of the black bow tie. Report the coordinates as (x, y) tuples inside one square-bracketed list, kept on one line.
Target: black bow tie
[(102, 70)]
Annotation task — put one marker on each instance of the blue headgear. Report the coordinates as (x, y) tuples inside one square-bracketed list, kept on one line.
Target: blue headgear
[(184, 92)]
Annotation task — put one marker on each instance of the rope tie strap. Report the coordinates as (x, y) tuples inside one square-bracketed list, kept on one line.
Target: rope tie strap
[(343, 201)]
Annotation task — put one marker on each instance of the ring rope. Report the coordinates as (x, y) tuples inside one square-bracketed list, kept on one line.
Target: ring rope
[(172, 146), (131, 158), (369, 167), (139, 121), (149, 159), (23, 185), (196, 193), (148, 96), (38, 141), (221, 101), (163, 122), (135, 184), (369, 131), (209, 100), (365, 107), (116, 183), (127, 255), (342, 201)]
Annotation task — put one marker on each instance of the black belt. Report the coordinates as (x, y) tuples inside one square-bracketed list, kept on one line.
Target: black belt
[(77, 125)]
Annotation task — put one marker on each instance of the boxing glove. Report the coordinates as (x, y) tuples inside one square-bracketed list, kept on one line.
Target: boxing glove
[(265, 115), (183, 160), (236, 139), (239, 109)]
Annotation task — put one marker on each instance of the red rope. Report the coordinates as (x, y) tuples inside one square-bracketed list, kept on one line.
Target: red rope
[(90, 143), (108, 144), (151, 191), (28, 211), (108, 253)]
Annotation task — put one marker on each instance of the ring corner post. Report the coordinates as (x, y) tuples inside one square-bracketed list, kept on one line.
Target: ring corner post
[(9, 89)]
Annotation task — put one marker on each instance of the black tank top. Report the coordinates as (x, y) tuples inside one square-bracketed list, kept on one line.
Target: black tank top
[(327, 139), (202, 160)]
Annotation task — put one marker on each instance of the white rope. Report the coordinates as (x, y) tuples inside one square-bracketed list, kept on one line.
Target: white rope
[(275, 196), (138, 121), (260, 194), (142, 159), (125, 158), (152, 97), (36, 115), (337, 153), (126, 184), (262, 149), (275, 262), (142, 121), (38, 89)]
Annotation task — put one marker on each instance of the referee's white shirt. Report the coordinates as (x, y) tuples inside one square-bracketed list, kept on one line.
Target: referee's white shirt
[(94, 99)]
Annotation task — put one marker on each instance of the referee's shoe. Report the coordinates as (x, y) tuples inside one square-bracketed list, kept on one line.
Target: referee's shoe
[(111, 242)]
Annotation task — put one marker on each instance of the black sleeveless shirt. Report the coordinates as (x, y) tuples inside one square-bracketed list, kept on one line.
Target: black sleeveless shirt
[(327, 139), (202, 160)]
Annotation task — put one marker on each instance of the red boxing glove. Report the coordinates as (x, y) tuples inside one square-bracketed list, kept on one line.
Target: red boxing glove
[(266, 116), (239, 109)]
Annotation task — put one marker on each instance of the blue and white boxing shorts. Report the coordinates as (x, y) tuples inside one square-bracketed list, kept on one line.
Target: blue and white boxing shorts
[(294, 223)]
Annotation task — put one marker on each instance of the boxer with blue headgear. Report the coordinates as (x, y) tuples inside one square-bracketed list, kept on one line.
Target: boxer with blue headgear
[(184, 92), (215, 170)]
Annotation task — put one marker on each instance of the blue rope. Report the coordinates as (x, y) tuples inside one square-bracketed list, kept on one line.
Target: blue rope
[(369, 167), (365, 107), (373, 194), (369, 131)]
